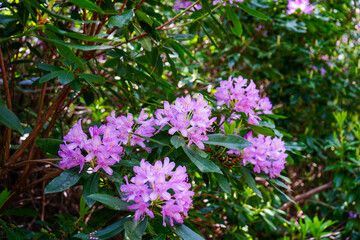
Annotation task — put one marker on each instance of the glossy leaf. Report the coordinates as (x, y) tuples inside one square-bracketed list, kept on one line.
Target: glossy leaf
[(90, 187), (49, 145), (231, 141), (66, 180), (112, 202), (9, 119), (204, 164)]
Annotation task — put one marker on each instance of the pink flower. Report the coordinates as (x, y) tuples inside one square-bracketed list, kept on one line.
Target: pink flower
[(266, 154), (243, 97), (303, 5), (159, 185), (190, 117)]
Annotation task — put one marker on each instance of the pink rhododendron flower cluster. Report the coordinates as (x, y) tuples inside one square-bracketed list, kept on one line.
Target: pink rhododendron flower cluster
[(150, 188), (183, 4), (240, 96), (103, 149), (266, 154), (188, 116), (303, 5)]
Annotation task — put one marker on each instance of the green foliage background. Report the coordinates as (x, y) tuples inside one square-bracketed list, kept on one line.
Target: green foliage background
[(65, 60)]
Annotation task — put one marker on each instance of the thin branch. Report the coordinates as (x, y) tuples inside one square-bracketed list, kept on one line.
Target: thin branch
[(307, 195), (139, 5), (63, 93), (123, 7), (7, 135)]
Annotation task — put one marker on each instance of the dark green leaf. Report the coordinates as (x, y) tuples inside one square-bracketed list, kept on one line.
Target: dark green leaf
[(135, 229), (231, 141), (113, 202), (9, 119), (121, 20), (65, 76), (254, 12), (92, 78), (87, 5), (250, 180), (47, 67), (112, 230), (262, 130), (77, 46), (48, 76), (185, 232), (90, 187), (204, 164), (177, 141), (223, 182), (235, 24), (66, 180), (49, 145)]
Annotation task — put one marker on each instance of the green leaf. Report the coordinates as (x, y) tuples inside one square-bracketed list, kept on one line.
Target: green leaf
[(66, 180), (92, 78), (250, 180), (20, 212), (77, 46), (338, 179), (144, 17), (47, 67), (65, 76), (235, 24), (204, 164), (112, 230), (9, 119), (87, 5), (135, 229), (49, 145), (254, 12), (90, 187), (223, 182), (151, 140), (177, 141), (4, 196), (64, 50), (262, 130), (121, 20), (48, 77), (185, 232), (144, 41), (113, 202), (231, 141)]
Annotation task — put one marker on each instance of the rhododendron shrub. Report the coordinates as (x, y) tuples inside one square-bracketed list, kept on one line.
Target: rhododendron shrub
[(200, 94), (176, 142)]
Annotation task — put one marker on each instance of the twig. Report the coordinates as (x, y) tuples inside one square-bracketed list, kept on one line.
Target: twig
[(123, 7), (139, 5), (49, 176), (43, 202), (306, 195), (63, 93), (7, 135)]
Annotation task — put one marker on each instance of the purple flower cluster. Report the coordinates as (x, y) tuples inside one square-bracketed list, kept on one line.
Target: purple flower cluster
[(266, 154), (103, 149), (188, 116), (237, 94), (183, 4), (150, 188), (303, 5)]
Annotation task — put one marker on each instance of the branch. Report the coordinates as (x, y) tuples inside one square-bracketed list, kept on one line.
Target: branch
[(306, 195), (63, 93), (7, 134), (139, 5)]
